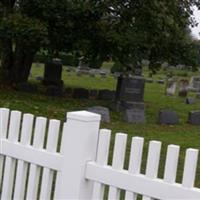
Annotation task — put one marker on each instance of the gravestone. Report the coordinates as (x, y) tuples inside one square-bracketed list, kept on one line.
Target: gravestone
[(168, 117), (160, 81), (94, 94), (194, 117), (171, 87), (129, 98), (83, 67), (103, 74), (69, 92), (190, 100), (27, 87), (132, 89), (103, 111), (38, 78), (136, 114), (138, 71), (53, 90), (198, 95), (106, 95), (195, 83), (53, 73), (183, 88), (80, 93)]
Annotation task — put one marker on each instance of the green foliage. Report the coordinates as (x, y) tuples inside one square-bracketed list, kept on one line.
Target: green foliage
[(126, 31), (30, 32)]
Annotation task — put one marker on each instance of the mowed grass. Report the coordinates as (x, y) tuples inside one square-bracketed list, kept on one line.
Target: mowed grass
[(185, 135)]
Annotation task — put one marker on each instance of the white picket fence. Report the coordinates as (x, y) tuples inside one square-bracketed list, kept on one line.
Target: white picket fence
[(35, 165)]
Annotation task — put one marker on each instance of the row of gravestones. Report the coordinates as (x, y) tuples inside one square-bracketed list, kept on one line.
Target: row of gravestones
[(82, 93), (171, 117), (184, 86), (167, 117)]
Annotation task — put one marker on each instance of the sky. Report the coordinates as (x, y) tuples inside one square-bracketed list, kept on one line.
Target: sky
[(196, 30)]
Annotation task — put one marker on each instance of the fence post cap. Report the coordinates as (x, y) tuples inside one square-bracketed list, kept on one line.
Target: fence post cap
[(84, 116)]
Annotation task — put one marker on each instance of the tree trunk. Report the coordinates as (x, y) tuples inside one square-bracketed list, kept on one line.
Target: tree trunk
[(16, 66), (6, 60)]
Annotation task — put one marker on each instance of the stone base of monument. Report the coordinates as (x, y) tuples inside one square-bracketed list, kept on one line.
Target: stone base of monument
[(168, 117), (194, 117), (134, 116)]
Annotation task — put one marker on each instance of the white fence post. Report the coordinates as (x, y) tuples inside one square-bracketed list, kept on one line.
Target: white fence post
[(79, 145)]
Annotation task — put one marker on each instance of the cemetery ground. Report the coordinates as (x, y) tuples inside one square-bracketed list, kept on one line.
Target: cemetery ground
[(183, 134)]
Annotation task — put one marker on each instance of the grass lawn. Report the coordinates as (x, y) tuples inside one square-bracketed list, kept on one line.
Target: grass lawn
[(183, 134)]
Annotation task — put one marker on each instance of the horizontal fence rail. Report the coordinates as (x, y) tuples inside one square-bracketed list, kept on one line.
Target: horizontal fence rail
[(47, 159), (132, 180)]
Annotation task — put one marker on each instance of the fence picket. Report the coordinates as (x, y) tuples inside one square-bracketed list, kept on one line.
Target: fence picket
[(102, 159), (171, 163), (8, 177), (4, 115), (152, 161), (190, 167), (52, 141), (27, 126), (135, 161), (33, 179), (118, 161)]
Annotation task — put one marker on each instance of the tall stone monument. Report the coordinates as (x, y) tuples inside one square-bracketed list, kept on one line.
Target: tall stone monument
[(53, 73), (129, 97)]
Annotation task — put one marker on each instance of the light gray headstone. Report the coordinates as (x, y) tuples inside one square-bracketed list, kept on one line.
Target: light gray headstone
[(171, 87), (103, 111)]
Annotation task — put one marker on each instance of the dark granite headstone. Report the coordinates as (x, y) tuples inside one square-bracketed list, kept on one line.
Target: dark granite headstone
[(132, 89), (194, 117), (27, 87), (38, 78), (80, 93), (55, 91), (134, 115), (106, 95), (168, 117), (94, 94), (190, 100), (53, 73), (103, 111)]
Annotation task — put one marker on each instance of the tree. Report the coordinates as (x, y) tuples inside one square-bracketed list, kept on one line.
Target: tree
[(20, 39), (127, 31)]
